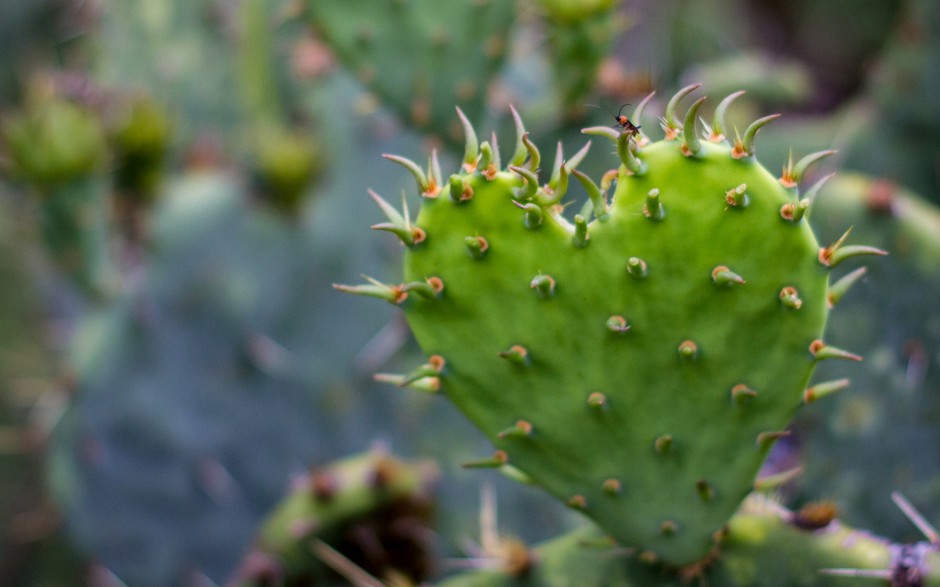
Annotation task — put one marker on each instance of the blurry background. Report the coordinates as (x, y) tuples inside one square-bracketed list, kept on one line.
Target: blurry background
[(183, 180)]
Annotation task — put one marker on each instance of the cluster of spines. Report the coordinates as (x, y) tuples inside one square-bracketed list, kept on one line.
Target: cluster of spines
[(536, 200)]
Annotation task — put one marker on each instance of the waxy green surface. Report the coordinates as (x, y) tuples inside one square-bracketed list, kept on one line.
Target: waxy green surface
[(743, 334)]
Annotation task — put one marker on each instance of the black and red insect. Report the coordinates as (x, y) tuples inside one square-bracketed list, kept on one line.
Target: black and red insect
[(625, 123)]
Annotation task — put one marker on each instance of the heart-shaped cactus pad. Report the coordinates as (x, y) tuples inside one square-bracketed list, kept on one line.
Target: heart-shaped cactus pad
[(638, 366)]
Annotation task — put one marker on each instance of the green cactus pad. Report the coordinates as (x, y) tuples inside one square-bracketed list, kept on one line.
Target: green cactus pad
[(624, 351), (405, 52)]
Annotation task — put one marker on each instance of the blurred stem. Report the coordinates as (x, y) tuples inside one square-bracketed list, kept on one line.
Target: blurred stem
[(262, 101)]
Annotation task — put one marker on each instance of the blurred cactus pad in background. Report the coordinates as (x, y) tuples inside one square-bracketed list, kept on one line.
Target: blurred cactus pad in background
[(663, 283)]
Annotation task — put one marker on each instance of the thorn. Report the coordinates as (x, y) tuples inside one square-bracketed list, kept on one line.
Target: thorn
[(527, 192), (581, 236), (718, 120), (550, 195), (435, 178), (516, 354), (428, 289), (476, 246), (471, 149), (836, 253), (609, 177), (705, 491), (663, 444), (486, 158), (516, 475), (668, 528), (612, 486), (688, 350), (745, 147), (737, 197), (398, 224), (670, 122), (625, 151), (429, 385), (342, 566), (496, 461), (424, 184), (617, 324), (812, 192), (790, 298), (577, 158), (916, 518), (533, 214), (519, 156), (602, 131), (394, 294), (490, 171), (691, 144), (821, 350), (721, 275), (433, 368), (821, 390), (766, 439), (521, 429), (597, 401), (773, 482), (794, 211), (792, 174), (653, 209), (636, 267), (460, 189), (598, 198), (742, 394), (578, 502), (642, 139), (535, 158), (556, 166), (838, 289)]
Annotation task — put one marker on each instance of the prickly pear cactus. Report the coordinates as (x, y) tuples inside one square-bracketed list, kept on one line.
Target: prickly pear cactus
[(638, 366)]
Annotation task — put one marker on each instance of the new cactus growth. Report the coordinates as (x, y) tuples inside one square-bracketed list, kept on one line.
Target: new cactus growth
[(719, 292), (59, 148), (371, 509)]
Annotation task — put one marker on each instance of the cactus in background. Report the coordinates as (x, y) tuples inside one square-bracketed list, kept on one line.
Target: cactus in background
[(284, 165), (140, 139), (188, 411), (901, 106), (581, 33), (371, 36), (58, 147), (370, 510), (890, 423), (638, 366), (283, 161), (765, 544)]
